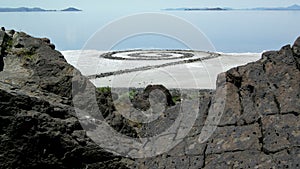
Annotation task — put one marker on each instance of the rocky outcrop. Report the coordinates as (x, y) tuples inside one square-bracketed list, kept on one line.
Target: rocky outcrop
[(141, 101), (259, 127), (260, 124), (38, 124), (261, 117)]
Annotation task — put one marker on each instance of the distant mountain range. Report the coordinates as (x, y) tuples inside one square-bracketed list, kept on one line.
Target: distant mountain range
[(25, 9), (197, 9), (289, 8)]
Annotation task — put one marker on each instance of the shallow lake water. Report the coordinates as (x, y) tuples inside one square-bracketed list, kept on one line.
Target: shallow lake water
[(228, 31)]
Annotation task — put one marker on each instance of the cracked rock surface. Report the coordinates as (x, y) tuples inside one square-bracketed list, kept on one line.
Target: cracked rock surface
[(38, 125), (259, 126)]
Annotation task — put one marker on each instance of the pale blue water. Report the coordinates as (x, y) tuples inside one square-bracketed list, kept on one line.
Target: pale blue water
[(228, 31)]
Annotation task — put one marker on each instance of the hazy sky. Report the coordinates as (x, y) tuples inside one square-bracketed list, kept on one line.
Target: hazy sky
[(144, 4)]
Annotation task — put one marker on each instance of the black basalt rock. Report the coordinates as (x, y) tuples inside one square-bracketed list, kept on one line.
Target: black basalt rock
[(38, 124), (296, 47), (1, 63)]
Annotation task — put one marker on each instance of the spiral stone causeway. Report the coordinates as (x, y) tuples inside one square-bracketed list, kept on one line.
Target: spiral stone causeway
[(148, 55), (151, 59)]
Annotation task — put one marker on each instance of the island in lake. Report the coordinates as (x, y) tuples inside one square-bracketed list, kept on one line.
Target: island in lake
[(289, 8), (36, 9)]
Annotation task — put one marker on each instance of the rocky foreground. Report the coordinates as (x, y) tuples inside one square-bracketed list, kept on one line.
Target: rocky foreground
[(260, 126)]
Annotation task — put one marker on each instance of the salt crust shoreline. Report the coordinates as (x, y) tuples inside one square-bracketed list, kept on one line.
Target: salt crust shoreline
[(196, 75)]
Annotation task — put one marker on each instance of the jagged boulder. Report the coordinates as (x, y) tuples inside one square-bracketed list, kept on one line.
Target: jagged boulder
[(260, 124), (160, 93), (38, 124)]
